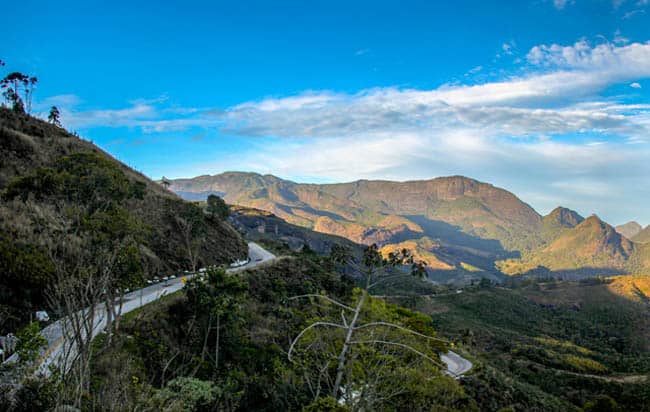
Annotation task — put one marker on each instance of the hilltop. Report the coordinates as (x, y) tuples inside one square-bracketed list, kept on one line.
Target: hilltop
[(65, 201), (629, 229), (591, 248)]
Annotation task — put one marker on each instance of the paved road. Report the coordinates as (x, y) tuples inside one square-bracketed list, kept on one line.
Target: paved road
[(57, 345), (456, 364)]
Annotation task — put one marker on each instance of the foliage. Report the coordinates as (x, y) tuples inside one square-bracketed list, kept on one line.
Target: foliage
[(54, 116), (549, 345), (165, 342), (216, 304), (32, 395), (186, 394), (30, 342), (326, 404), (66, 201), (26, 272), (601, 403), (217, 208)]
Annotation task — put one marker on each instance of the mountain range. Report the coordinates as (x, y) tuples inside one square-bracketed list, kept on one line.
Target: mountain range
[(458, 225)]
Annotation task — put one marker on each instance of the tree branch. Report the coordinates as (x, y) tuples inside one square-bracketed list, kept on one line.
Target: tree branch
[(392, 325), (314, 295), (313, 325), (402, 345)]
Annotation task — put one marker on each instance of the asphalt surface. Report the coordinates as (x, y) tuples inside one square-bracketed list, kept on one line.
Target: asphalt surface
[(57, 346), (456, 364)]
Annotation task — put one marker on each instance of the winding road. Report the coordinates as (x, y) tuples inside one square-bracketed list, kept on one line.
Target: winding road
[(57, 346)]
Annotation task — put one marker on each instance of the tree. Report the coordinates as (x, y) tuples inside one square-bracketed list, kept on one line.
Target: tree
[(29, 86), (601, 403), (217, 208), (187, 394), (30, 342), (217, 304), (374, 340), (54, 116), (325, 405), (165, 183), (188, 228), (11, 83)]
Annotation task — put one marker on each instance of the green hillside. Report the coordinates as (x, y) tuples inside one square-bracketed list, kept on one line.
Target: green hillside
[(66, 203), (552, 345), (592, 248)]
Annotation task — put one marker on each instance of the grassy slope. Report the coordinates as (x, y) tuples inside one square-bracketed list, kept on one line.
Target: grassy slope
[(38, 209), (591, 248), (643, 236)]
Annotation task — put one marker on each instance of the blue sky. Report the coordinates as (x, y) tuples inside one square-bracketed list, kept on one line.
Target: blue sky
[(548, 99)]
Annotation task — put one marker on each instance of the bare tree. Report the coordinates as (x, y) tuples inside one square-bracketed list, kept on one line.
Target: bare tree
[(29, 85), (186, 229), (359, 336)]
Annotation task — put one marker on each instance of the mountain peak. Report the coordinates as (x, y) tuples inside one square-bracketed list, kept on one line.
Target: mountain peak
[(629, 229), (564, 217)]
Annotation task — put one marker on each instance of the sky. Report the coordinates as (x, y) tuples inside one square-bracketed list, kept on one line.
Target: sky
[(549, 99)]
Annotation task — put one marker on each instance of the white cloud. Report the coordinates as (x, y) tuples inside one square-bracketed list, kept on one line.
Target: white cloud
[(509, 47), (560, 96), (560, 4), (547, 133), (635, 85)]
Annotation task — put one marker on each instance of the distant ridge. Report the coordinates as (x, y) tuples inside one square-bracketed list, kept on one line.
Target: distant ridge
[(629, 229), (456, 221)]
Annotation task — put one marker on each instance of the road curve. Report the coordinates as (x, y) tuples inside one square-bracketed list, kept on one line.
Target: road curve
[(54, 333), (457, 366)]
